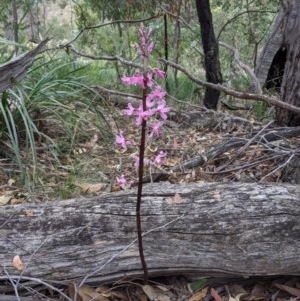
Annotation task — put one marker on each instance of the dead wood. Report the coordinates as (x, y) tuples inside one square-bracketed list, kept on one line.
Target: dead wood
[(15, 70), (233, 229), (217, 150)]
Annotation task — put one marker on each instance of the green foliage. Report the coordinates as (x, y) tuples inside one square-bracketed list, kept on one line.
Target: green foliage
[(56, 91), (113, 9), (50, 106), (185, 90)]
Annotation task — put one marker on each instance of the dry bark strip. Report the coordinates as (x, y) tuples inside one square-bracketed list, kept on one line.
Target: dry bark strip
[(217, 229), (15, 70)]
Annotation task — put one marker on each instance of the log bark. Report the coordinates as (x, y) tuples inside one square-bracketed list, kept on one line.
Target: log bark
[(215, 229)]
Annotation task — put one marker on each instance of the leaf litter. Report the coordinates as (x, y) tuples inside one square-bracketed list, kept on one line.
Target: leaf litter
[(99, 164)]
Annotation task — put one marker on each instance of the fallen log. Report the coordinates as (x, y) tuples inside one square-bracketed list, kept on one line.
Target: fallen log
[(217, 229)]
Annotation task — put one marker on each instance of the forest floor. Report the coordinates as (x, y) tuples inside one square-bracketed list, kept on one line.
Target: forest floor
[(226, 147), (201, 146)]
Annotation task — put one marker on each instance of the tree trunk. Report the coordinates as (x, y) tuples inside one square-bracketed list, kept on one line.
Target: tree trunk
[(280, 61), (291, 78), (211, 52), (194, 229)]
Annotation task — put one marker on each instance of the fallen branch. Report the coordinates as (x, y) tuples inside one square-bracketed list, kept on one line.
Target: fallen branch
[(210, 229), (237, 142)]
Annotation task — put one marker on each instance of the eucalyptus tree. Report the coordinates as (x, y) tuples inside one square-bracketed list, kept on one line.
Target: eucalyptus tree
[(13, 17), (280, 60), (211, 52)]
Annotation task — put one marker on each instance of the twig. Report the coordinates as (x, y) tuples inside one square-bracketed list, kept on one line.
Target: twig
[(37, 280), (111, 23), (251, 141), (242, 95), (243, 166), (104, 57), (278, 168), (244, 67), (13, 284)]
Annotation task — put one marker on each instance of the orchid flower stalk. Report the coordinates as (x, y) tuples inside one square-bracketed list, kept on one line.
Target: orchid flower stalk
[(152, 104)]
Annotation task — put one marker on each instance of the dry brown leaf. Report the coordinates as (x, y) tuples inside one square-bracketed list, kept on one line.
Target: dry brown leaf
[(4, 199), (86, 293), (156, 293), (92, 188), (176, 199), (139, 293), (11, 182), (103, 290), (28, 212), (291, 290), (119, 295), (17, 263), (16, 201), (258, 291)]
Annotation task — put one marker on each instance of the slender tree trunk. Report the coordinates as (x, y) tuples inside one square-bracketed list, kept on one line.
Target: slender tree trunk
[(177, 32), (15, 23), (166, 47), (290, 88), (211, 52)]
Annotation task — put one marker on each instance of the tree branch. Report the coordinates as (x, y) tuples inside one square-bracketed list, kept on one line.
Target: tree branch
[(243, 66), (103, 57), (110, 23), (242, 95)]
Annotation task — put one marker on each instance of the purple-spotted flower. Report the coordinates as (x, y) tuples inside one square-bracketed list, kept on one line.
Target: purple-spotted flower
[(136, 158), (121, 181), (143, 115), (157, 93), (153, 103), (122, 141), (130, 111), (159, 73), (155, 129), (162, 109), (160, 157)]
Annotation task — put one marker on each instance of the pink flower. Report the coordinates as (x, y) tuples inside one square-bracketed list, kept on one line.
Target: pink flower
[(150, 47), (120, 140), (138, 49), (158, 93), (121, 181), (130, 111), (147, 162), (160, 157), (126, 80), (136, 79), (162, 109), (143, 115), (159, 73), (150, 102), (149, 80), (155, 129)]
